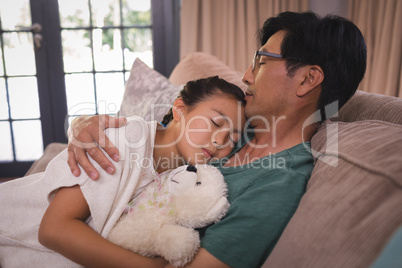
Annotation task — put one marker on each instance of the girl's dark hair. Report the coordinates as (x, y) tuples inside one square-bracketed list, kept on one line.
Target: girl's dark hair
[(332, 42), (196, 91)]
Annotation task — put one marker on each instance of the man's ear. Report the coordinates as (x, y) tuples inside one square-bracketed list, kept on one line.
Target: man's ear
[(313, 75), (178, 109)]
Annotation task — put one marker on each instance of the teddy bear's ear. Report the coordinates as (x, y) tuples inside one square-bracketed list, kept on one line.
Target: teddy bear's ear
[(219, 209), (191, 168)]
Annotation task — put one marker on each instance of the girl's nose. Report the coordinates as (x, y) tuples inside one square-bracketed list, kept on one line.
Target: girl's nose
[(221, 139)]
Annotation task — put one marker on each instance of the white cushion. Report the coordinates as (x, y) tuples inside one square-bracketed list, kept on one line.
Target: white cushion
[(148, 93)]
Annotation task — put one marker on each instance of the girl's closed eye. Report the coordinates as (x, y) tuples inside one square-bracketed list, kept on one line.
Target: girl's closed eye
[(212, 110), (215, 123)]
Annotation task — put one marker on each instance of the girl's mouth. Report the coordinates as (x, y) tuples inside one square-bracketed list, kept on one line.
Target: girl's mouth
[(207, 154)]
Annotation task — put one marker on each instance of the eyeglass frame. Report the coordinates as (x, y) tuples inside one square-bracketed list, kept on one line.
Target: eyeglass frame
[(269, 54)]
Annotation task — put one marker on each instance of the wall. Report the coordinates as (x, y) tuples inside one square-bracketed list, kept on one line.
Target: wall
[(323, 7)]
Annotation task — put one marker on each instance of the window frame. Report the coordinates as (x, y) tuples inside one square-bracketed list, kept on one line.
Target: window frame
[(50, 71)]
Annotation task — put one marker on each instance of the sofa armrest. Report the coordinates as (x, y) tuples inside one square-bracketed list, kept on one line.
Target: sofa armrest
[(50, 152)]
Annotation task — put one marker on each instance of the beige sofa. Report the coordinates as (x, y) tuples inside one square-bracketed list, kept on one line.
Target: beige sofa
[(353, 202)]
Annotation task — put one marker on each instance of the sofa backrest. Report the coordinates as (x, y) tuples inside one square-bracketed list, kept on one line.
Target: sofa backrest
[(201, 65), (370, 106)]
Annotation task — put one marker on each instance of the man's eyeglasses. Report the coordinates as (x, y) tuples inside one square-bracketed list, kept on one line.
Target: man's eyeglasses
[(258, 54)]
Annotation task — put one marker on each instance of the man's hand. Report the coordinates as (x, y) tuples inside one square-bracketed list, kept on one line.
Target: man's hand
[(85, 135)]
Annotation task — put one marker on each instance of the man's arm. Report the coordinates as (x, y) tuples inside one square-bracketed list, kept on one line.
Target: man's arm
[(63, 230), (85, 134)]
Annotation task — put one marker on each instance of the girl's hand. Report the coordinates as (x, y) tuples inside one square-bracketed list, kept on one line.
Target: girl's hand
[(85, 135), (63, 229)]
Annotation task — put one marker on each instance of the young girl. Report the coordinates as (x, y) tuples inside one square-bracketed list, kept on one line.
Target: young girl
[(49, 213)]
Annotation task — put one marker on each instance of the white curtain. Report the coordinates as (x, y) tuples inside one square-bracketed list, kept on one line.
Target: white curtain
[(380, 22), (227, 28)]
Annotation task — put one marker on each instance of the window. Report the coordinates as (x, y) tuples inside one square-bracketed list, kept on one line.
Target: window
[(72, 57), (100, 41)]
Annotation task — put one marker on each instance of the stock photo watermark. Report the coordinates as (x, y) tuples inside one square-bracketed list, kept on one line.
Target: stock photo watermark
[(125, 139)]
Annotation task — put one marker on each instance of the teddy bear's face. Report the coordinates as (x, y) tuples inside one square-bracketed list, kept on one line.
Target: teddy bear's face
[(199, 196), (183, 181)]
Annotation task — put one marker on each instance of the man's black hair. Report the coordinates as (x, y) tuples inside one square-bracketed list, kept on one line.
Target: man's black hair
[(331, 42)]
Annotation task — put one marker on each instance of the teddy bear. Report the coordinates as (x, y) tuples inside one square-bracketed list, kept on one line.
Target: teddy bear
[(161, 220)]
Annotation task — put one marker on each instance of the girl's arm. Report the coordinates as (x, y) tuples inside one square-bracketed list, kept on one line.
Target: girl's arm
[(63, 229)]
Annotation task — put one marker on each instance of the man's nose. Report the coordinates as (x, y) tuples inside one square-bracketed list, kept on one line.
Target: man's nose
[(248, 76)]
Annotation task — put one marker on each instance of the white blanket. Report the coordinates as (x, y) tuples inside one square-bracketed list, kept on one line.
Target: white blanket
[(24, 201)]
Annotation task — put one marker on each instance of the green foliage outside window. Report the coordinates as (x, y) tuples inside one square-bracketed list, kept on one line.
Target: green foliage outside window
[(135, 39)]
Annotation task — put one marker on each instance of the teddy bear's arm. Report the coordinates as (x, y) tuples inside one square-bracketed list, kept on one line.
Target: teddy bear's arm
[(177, 244)]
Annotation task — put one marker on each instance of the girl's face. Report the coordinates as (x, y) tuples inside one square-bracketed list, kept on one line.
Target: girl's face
[(209, 130)]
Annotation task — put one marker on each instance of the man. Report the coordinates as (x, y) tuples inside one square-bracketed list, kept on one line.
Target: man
[(305, 64)]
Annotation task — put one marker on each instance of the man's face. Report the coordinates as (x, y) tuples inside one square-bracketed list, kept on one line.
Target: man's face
[(269, 86)]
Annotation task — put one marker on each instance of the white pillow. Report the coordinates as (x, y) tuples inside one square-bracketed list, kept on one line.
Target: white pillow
[(148, 93)]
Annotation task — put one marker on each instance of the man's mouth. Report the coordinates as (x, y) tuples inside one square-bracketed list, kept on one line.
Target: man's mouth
[(248, 94)]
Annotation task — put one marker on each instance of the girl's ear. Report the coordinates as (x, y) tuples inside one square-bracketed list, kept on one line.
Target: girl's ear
[(313, 77), (178, 109)]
